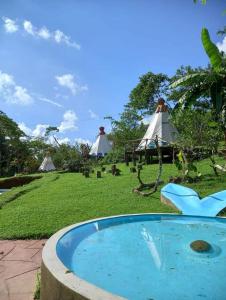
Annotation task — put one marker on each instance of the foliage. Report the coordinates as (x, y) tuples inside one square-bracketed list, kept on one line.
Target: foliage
[(20, 153), (67, 157), (128, 127), (177, 91), (8, 183), (38, 149), (142, 101), (197, 128), (85, 150), (211, 50), (186, 167), (210, 82), (114, 156), (199, 136), (150, 87), (51, 129), (13, 151)]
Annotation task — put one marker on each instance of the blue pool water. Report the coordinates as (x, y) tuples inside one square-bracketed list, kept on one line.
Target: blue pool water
[(148, 257)]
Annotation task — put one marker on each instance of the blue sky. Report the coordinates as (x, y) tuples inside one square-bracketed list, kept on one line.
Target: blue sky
[(70, 63)]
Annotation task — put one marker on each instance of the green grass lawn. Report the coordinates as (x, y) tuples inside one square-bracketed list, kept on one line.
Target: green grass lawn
[(45, 205)]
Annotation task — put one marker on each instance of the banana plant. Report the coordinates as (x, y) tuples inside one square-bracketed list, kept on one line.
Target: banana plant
[(211, 82)]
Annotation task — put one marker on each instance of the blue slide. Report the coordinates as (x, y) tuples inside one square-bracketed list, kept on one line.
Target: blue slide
[(189, 203)]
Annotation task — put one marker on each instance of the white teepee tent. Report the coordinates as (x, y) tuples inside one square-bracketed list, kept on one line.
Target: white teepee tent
[(47, 165), (159, 126), (102, 145)]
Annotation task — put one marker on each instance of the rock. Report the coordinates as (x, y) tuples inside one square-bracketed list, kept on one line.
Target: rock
[(200, 246)]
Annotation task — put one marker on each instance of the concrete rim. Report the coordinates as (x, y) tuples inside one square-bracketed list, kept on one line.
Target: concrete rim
[(70, 280)]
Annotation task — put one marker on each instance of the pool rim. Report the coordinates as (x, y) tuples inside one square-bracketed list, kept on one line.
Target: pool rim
[(74, 283)]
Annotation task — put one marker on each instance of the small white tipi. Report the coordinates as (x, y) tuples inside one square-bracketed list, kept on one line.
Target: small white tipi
[(159, 126), (47, 165), (102, 145)]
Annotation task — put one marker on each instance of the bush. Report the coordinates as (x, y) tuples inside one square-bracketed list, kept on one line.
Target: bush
[(8, 183), (115, 156), (73, 166)]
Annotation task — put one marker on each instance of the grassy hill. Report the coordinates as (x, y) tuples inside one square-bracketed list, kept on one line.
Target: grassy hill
[(45, 205)]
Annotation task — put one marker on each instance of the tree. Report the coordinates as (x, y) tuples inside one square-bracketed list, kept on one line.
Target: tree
[(51, 130), (128, 127), (67, 156), (206, 83), (197, 128), (150, 87), (13, 148), (199, 137), (176, 93), (142, 101)]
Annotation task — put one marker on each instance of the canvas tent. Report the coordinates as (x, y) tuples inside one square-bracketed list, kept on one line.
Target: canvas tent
[(102, 145), (159, 126), (47, 165)]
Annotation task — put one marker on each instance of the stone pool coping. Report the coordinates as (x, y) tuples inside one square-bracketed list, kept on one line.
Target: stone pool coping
[(56, 277), (72, 284)]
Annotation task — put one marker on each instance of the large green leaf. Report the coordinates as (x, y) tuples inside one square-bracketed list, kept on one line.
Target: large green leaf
[(211, 50), (192, 94), (186, 79)]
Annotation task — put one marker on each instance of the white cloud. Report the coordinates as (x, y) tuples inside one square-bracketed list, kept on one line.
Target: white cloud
[(83, 141), (57, 36), (68, 81), (10, 25), (39, 130), (28, 27), (44, 33), (25, 129), (13, 93), (93, 115), (50, 101), (68, 123), (58, 95), (65, 140), (60, 37), (21, 96), (222, 45), (6, 80)]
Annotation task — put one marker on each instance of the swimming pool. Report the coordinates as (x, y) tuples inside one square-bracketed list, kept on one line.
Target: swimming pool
[(147, 256)]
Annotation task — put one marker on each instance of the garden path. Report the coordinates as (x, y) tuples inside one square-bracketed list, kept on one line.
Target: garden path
[(20, 260)]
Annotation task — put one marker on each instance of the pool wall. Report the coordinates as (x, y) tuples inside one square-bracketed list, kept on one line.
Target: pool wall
[(58, 283)]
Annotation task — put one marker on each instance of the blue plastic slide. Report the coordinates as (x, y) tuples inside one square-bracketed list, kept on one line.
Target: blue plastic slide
[(188, 202)]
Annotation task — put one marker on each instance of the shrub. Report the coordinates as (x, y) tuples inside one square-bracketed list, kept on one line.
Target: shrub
[(114, 156)]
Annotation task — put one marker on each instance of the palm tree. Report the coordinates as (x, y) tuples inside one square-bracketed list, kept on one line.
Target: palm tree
[(207, 83)]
